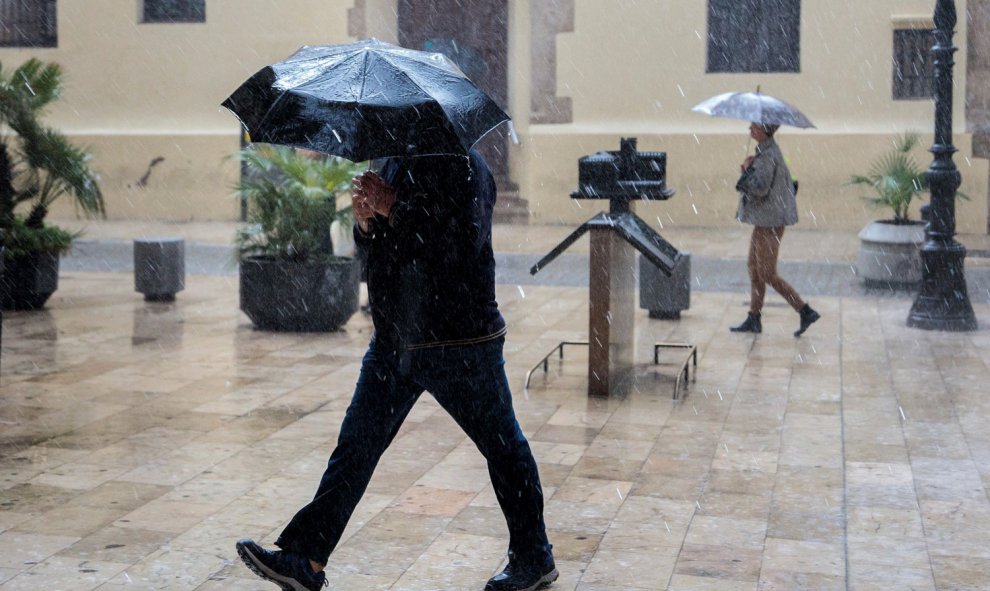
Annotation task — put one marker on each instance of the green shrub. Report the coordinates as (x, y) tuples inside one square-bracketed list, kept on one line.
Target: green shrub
[(292, 201), (896, 178), (21, 240)]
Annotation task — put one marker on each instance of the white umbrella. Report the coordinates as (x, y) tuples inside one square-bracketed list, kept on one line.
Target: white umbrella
[(753, 106)]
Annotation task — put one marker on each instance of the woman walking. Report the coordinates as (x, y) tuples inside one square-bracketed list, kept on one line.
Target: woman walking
[(767, 201)]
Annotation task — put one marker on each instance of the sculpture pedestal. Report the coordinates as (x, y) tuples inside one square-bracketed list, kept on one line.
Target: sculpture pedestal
[(621, 177), (615, 239), (611, 314)]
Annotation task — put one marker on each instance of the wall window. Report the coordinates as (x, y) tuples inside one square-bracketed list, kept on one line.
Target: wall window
[(28, 23), (754, 36), (914, 67), (175, 11)]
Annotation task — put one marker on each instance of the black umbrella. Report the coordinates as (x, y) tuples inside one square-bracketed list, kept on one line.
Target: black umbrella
[(365, 100)]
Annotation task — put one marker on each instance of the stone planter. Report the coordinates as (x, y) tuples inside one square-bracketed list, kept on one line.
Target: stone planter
[(28, 281), (889, 254), (282, 295)]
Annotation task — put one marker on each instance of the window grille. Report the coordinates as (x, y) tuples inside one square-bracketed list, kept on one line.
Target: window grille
[(914, 67), (175, 11), (754, 36), (28, 23)]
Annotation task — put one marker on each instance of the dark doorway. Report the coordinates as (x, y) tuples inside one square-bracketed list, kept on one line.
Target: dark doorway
[(474, 34)]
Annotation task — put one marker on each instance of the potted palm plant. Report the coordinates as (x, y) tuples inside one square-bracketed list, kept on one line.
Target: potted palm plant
[(37, 166), (889, 249), (290, 278)]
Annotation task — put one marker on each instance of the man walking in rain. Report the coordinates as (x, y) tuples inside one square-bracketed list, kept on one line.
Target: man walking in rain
[(425, 224)]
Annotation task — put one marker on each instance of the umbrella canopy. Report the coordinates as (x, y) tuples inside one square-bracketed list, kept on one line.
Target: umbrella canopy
[(753, 106), (365, 100)]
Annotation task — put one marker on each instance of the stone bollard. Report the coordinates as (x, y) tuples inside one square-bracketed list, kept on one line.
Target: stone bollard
[(664, 296), (159, 268)]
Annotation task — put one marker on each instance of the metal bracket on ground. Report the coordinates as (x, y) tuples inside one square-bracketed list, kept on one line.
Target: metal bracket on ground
[(546, 360), (684, 372)]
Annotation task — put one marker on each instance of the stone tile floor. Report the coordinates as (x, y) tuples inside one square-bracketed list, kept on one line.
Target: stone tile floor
[(139, 441)]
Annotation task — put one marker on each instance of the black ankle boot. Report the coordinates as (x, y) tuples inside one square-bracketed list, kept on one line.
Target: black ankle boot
[(808, 317), (752, 324)]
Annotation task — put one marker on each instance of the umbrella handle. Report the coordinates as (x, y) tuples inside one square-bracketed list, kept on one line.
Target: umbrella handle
[(512, 133)]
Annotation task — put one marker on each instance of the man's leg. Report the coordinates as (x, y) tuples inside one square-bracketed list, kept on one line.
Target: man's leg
[(470, 384), (381, 401)]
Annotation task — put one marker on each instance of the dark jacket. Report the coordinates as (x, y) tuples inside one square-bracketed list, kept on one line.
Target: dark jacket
[(430, 265)]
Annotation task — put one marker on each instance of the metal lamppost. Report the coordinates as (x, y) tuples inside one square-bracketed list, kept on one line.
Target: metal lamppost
[(943, 302)]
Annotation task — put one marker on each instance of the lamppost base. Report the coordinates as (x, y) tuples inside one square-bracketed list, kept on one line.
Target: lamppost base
[(943, 302), (942, 321)]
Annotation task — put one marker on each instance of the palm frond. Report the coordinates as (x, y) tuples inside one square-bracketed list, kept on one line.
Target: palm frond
[(40, 83), (895, 177), (66, 168), (43, 165)]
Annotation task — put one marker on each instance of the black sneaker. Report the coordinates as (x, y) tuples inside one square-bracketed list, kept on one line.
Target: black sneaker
[(289, 571), (518, 576)]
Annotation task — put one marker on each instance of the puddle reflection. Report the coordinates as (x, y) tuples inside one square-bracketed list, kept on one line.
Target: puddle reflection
[(159, 325)]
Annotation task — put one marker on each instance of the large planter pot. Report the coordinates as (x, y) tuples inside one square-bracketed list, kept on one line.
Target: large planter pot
[(28, 281), (304, 296), (889, 254)]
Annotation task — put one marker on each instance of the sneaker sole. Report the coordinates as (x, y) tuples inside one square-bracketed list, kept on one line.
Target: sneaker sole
[(548, 578), (544, 581), (258, 568)]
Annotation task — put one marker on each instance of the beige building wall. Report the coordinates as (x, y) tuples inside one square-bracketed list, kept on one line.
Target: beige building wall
[(636, 67), (139, 92)]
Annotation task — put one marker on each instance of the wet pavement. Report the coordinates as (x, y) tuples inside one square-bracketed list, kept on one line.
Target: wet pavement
[(139, 441)]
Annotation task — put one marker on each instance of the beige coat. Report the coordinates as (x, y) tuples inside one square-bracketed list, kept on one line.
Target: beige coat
[(766, 191)]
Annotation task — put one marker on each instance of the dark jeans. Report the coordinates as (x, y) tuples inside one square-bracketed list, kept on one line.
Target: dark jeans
[(469, 382)]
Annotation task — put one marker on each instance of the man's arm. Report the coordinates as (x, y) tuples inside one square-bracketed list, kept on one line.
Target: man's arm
[(441, 205)]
